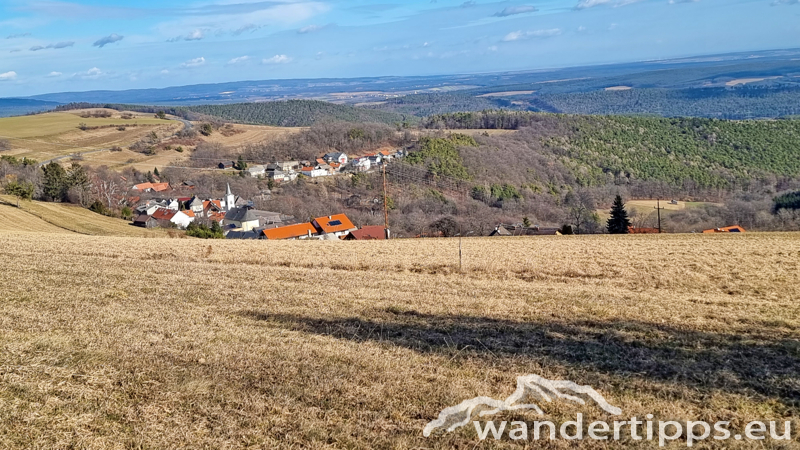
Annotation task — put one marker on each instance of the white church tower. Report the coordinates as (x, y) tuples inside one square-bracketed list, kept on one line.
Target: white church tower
[(230, 200)]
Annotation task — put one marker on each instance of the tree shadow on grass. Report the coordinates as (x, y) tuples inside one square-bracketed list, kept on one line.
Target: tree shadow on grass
[(753, 362)]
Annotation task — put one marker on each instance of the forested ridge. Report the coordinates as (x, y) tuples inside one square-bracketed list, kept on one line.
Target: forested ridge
[(290, 113), (708, 153)]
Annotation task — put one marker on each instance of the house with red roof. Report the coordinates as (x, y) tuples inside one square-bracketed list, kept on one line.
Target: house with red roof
[(368, 233)]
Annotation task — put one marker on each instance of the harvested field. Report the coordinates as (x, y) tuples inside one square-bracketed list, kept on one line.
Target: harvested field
[(251, 134), (64, 218), (142, 343), (46, 136)]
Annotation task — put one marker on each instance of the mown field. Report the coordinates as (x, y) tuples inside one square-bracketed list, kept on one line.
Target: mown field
[(44, 217), (50, 135), (112, 342)]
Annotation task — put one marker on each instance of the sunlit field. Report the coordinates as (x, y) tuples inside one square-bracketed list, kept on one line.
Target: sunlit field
[(122, 342)]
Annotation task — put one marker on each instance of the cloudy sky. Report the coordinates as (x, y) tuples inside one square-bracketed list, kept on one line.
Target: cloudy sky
[(51, 46)]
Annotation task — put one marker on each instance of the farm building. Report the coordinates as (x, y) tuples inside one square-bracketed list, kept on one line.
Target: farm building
[(500, 231), (145, 221), (731, 229), (368, 233)]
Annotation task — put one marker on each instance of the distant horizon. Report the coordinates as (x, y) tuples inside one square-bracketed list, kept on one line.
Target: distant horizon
[(675, 59), (85, 45)]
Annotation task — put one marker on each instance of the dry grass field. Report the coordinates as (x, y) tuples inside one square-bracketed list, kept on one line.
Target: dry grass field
[(116, 343), (44, 217), (251, 134), (46, 136)]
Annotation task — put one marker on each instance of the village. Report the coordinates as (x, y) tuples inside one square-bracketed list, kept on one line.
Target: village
[(237, 217)]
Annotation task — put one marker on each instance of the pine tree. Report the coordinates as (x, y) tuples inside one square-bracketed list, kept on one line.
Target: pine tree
[(618, 223), (54, 186)]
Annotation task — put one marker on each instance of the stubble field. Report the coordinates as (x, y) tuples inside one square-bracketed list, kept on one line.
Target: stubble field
[(110, 342)]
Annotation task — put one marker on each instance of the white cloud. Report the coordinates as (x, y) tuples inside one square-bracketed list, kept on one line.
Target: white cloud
[(241, 16), (513, 10), (54, 74), (165, 72), (238, 60), (195, 35), (91, 74), (583, 4), (277, 59), (310, 29), (517, 35), (8, 76), (196, 62)]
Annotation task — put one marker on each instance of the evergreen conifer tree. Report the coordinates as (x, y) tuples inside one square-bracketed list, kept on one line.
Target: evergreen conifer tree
[(618, 223)]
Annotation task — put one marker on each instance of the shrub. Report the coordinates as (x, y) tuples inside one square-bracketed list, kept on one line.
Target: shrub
[(205, 232)]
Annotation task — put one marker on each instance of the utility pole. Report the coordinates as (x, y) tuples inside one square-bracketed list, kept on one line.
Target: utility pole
[(659, 208), (385, 206)]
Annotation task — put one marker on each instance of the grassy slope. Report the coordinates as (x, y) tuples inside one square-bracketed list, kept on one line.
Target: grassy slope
[(103, 348), (15, 219), (68, 218), (56, 123)]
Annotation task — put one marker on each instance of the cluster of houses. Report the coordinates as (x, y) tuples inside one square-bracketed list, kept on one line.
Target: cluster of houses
[(329, 164), (239, 219)]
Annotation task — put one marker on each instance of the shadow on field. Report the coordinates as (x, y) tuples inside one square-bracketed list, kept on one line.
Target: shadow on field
[(743, 362)]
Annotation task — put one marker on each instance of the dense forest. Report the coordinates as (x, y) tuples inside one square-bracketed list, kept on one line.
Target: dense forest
[(722, 103), (744, 102), (687, 153)]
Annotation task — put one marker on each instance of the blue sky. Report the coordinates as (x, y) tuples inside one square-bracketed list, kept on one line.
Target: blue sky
[(52, 46)]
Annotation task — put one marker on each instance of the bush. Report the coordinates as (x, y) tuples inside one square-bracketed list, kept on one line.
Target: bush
[(204, 232)]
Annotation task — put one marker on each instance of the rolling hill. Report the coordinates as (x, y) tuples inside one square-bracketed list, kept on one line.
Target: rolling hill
[(42, 217)]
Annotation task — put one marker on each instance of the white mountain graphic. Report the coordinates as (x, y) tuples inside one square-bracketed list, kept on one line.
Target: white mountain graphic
[(529, 388)]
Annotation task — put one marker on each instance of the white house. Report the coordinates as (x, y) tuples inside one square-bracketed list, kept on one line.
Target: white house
[(256, 171), (361, 164), (313, 172), (340, 158), (177, 217), (241, 218)]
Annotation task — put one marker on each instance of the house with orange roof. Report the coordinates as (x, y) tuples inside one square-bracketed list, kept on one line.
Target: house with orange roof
[(731, 229), (338, 225), (297, 231), (151, 187)]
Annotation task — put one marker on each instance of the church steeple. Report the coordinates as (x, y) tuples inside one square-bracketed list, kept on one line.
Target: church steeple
[(230, 200)]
